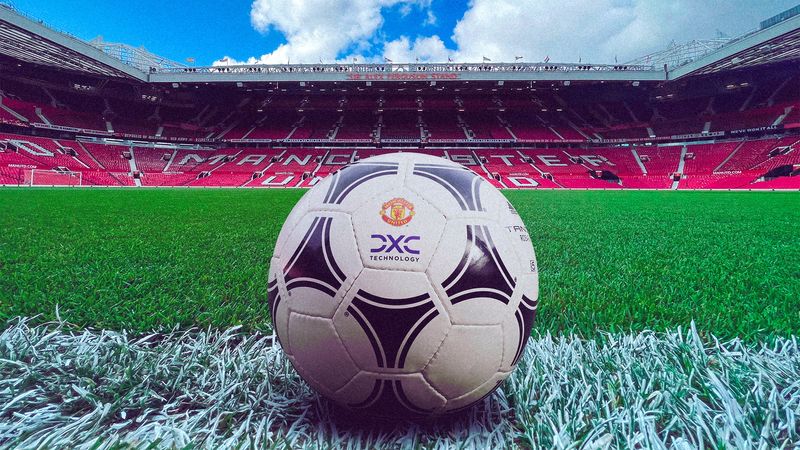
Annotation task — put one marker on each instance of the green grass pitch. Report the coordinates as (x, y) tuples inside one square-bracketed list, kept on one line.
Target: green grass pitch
[(138, 319), (610, 261)]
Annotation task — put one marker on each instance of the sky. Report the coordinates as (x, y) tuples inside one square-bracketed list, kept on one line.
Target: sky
[(310, 31)]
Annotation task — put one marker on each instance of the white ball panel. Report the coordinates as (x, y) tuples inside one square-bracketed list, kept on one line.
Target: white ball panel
[(425, 158), (276, 296), (495, 203), (391, 321), (295, 216), (411, 159), (359, 391), (450, 187), (404, 159), (528, 287), (476, 395), (506, 240), (380, 394), (348, 188), (519, 322), (472, 272), (398, 230), (508, 218), (512, 329), (421, 394), (318, 353), (469, 356), (320, 263)]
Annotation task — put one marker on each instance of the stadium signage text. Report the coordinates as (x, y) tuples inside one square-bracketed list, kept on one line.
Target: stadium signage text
[(402, 76), (522, 182), (755, 130)]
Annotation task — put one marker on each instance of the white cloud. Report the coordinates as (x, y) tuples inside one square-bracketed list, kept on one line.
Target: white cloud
[(503, 29), (426, 49), (594, 30), (430, 18), (321, 29), (598, 30)]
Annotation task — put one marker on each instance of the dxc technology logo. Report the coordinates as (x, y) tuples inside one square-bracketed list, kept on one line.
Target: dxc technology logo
[(390, 248)]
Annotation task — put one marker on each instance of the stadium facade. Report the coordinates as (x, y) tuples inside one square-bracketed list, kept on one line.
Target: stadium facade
[(95, 113)]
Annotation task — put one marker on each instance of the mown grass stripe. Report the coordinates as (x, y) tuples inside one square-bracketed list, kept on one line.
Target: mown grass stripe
[(615, 261)]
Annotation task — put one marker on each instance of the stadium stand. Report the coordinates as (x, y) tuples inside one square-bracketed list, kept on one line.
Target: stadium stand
[(771, 163), (485, 125), (547, 126), (113, 158), (443, 126)]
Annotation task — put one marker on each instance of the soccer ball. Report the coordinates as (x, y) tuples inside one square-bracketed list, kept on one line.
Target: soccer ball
[(403, 285)]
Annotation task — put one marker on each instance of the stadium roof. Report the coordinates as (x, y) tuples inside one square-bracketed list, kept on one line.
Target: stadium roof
[(30, 41), (679, 54), (776, 41), (139, 57)]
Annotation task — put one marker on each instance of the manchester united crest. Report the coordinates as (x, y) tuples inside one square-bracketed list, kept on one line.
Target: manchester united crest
[(397, 212)]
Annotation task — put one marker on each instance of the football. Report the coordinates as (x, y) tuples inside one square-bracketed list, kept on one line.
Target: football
[(403, 285)]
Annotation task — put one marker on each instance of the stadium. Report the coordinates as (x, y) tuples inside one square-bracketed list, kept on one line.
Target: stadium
[(137, 316), (73, 114)]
